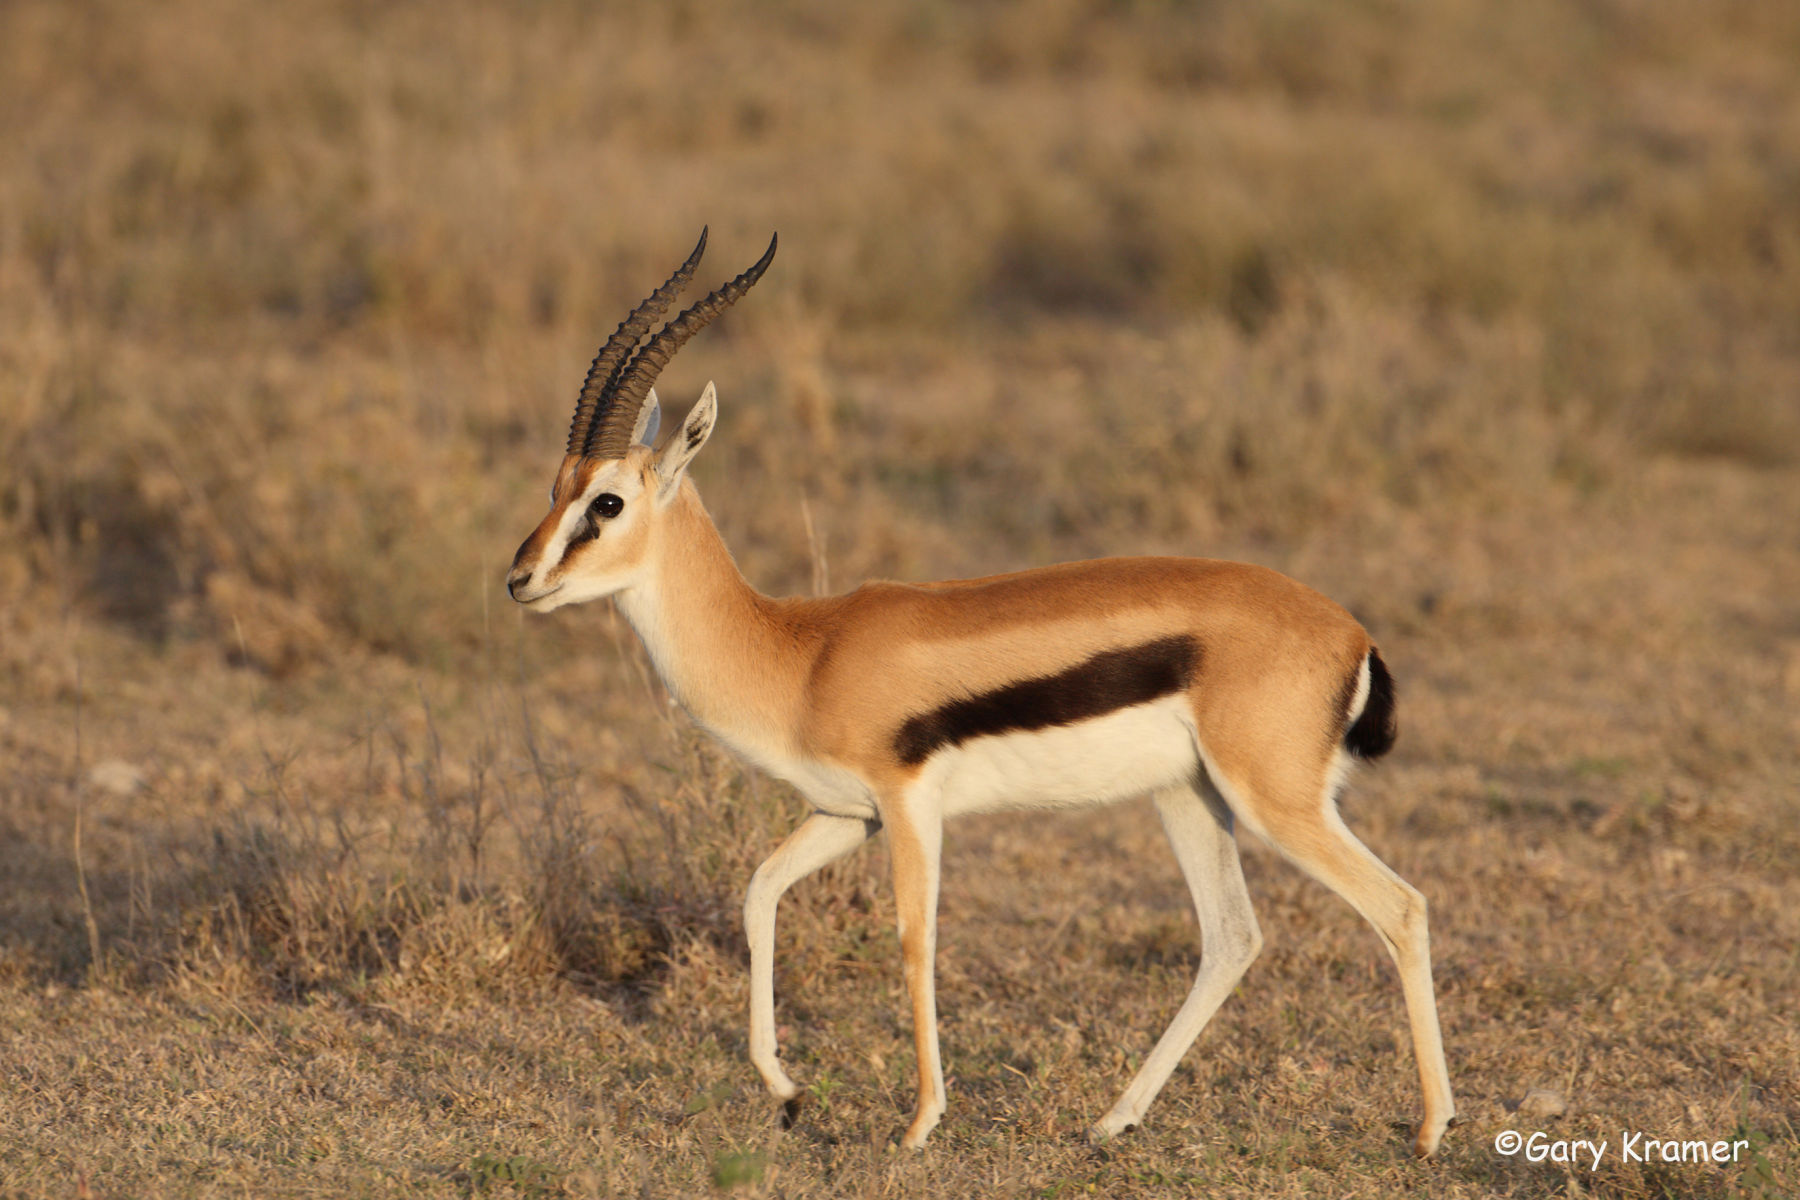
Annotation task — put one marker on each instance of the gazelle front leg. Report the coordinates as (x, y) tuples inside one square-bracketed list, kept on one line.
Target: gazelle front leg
[(821, 839), (915, 843)]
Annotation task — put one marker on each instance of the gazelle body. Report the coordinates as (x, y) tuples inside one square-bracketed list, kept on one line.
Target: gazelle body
[(1228, 692)]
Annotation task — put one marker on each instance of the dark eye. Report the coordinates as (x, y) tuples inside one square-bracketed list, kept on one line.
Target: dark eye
[(606, 506)]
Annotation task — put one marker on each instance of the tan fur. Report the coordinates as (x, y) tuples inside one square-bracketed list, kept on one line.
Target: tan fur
[(835, 677), (889, 650)]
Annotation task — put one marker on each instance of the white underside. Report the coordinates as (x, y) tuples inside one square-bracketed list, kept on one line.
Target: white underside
[(829, 789), (1123, 754)]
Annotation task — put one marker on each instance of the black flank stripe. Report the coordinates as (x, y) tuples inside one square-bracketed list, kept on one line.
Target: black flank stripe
[(1108, 681)]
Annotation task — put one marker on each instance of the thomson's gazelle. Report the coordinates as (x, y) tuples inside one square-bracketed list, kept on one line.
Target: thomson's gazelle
[(1227, 692)]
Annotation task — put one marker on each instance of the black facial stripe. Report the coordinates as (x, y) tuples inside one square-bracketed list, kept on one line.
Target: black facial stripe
[(587, 531), (1108, 681)]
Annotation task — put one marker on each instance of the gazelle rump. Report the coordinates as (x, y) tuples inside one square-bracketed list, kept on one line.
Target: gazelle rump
[(1227, 692)]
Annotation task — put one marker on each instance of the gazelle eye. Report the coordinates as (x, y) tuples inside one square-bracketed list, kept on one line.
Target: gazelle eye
[(606, 506)]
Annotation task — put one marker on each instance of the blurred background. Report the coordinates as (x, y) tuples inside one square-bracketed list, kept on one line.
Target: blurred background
[(296, 300), (1483, 318)]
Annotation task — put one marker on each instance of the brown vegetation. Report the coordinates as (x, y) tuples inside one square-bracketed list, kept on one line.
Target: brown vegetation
[(326, 873)]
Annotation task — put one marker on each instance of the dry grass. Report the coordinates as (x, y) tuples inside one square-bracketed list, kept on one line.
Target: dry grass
[(327, 874)]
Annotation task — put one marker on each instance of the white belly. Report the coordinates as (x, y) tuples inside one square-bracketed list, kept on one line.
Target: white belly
[(1123, 754), (826, 786)]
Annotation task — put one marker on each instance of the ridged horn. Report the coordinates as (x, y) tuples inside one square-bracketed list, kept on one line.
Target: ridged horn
[(603, 375), (611, 436)]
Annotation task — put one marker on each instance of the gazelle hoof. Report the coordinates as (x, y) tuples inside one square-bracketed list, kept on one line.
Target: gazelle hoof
[(1431, 1134), (1109, 1127), (781, 1087), (917, 1133)]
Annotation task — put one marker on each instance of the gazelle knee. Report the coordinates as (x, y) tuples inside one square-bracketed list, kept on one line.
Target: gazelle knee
[(1232, 945), (1414, 920), (1253, 944), (761, 896), (1406, 928)]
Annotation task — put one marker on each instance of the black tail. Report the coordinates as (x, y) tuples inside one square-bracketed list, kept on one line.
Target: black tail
[(1373, 733)]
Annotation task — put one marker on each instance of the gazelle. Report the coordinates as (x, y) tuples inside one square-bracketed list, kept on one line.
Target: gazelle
[(1226, 691)]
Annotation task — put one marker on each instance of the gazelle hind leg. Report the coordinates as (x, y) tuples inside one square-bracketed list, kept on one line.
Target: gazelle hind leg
[(1199, 828), (820, 839), (1302, 821)]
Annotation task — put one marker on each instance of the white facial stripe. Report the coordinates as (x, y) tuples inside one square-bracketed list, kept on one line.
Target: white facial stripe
[(574, 516), (572, 519)]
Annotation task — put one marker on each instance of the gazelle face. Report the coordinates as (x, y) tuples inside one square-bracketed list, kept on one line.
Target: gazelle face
[(611, 486), (603, 515), (594, 539)]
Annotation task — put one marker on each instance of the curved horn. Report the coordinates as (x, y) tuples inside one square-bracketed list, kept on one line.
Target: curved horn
[(603, 374), (611, 436)]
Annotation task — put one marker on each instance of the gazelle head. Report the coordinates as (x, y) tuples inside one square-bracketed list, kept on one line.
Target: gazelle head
[(612, 485)]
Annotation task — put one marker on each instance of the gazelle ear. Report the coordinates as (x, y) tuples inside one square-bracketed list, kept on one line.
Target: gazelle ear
[(649, 420), (672, 459)]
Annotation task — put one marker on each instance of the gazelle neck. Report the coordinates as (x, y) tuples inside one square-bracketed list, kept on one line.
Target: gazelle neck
[(722, 648)]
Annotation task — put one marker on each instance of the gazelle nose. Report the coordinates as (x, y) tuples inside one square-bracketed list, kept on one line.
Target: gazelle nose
[(513, 580)]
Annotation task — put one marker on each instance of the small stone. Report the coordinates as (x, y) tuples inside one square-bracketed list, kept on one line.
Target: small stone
[(116, 777), (1542, 1102)]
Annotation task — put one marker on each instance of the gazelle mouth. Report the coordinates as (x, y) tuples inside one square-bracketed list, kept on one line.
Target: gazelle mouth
[(528, 601)]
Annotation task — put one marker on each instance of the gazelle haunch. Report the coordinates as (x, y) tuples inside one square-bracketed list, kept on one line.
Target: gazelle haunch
[(1227, 692)]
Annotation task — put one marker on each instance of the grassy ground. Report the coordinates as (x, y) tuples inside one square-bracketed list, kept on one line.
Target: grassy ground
[(328, 873)]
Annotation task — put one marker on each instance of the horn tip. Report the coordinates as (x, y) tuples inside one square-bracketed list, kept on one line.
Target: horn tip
[(768, 257)]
